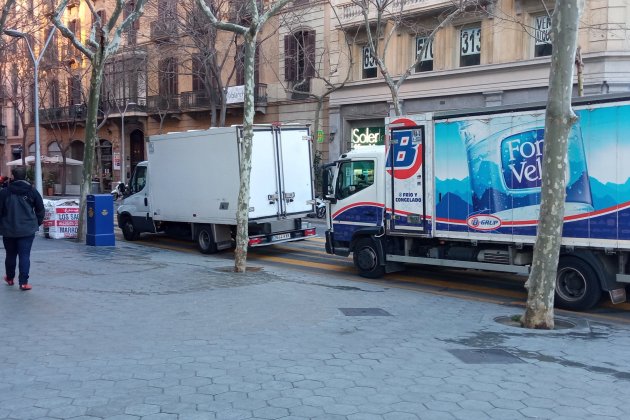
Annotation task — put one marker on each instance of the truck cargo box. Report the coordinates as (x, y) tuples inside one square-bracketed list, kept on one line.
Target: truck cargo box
[(194, 175)]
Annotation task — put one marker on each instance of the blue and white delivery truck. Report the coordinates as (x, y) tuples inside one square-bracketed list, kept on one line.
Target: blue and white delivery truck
[(462, 190)]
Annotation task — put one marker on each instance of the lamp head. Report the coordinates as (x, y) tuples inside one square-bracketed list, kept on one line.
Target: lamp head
[(14, 33)]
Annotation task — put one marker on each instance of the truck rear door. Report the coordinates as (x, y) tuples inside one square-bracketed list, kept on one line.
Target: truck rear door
[(405, 180), (264, 181), (296, 183)]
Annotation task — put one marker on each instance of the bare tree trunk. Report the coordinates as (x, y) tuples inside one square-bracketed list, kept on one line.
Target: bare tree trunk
[(558, 121), (91, 134), (242, 214)]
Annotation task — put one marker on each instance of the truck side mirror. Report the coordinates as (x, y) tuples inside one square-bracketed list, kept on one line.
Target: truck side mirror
[(325, 181)]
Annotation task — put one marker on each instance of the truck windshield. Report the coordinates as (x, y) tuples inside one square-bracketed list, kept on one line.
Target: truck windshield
[(353, 177), (139, 179)]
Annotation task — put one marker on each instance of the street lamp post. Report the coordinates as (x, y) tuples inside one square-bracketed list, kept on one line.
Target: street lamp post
[(123, 169), (36, 61)]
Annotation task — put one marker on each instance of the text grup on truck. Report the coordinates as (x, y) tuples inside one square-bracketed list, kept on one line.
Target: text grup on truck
[(462, 190), (190, 183)]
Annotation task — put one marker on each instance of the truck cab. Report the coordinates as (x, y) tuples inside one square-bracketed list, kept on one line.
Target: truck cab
[(133, 214), (355, 198)]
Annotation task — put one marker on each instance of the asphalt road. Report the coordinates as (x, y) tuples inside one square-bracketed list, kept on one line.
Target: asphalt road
[(310, 256)]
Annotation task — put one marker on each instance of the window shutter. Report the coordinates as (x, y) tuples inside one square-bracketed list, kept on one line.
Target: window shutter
[(309, 52), (290, 49)]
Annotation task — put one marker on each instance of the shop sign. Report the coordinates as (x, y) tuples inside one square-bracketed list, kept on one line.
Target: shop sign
[(367, 136)]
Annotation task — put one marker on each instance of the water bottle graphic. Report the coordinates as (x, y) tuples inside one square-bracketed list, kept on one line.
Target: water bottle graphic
[(505, 168)]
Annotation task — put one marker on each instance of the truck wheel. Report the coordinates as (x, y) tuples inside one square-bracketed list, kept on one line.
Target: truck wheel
[(321, 212), (367, 259), (205, 240), (129, 231), (577, 285)]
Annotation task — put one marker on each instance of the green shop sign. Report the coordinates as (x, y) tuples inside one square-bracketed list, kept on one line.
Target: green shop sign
[(367, 136)]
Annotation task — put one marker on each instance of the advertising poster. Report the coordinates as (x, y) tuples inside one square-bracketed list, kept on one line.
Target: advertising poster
[(488, 173)]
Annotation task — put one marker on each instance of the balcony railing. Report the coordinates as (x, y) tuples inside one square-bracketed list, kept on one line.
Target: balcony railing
[(163, 104), (352, 12), (113, 107), (63, 114), (197, 101), (163, 30), (78, 112), (191, 101), (260, 94)]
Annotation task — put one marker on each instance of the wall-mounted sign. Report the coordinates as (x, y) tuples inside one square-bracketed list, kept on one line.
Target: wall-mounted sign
[(320, 136), (116, 160), (367, 136), (235, 94)]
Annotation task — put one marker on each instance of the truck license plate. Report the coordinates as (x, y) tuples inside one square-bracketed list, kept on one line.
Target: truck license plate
[(280, 237)]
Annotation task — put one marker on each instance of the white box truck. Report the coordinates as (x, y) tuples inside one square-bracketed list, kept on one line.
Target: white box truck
[(190, 184), (462, 190)]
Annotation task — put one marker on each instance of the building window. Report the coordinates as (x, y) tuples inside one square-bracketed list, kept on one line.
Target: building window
[(167, 9), (124, 79), (470, 46), (542, 38), (426, 62), (168, 76), (353, 177), (132, 30), (16, 122), (299, 59), (102, 16), (369, 64), (198, 73), (54, 93), (74, 90)]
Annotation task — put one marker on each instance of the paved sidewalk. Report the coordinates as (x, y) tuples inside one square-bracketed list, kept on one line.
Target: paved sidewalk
[(140, 333)]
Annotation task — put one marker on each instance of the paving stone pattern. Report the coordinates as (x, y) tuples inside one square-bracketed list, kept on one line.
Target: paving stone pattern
[(140, 333)]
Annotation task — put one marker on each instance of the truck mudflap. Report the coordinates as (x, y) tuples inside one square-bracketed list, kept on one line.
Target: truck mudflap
[(279, 237), (332, 249)]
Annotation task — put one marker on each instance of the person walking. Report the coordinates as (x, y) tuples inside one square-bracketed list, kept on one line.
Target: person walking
[(21, 213)]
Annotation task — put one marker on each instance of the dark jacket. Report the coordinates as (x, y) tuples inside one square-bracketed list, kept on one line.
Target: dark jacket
[(21, 210)]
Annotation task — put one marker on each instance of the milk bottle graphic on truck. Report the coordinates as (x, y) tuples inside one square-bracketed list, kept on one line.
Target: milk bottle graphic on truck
[(505, 168)]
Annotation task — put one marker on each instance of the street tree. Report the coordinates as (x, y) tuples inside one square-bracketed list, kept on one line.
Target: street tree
[(559, 118), (383, 20), (247, 23), (61, 128), (314, 70), (18, 87), (102, 43), (212, 66)]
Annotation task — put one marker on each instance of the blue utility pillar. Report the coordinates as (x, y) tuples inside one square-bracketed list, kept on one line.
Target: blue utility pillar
[(100, 220)]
